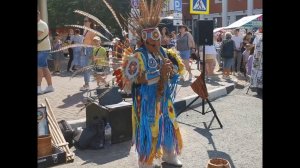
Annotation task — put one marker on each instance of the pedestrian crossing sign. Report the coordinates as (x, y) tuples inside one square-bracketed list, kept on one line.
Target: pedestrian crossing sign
[(199, 7)]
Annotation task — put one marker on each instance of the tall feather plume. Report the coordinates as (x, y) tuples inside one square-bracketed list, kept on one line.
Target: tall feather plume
[(71, 46), (94, 18), (148, 15), (83, 69), (114, 13), (125, 20), (89, 29)]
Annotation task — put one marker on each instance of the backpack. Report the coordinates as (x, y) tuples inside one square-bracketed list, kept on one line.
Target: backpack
[(92, 137), (227, 49)]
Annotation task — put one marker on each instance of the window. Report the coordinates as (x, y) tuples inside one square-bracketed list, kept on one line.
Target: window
[(238, 17), (218, 21), (228, 20)]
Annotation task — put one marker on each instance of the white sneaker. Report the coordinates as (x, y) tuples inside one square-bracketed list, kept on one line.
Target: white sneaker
[(40, 91), (172, 159), (49, 89), (85, 87)]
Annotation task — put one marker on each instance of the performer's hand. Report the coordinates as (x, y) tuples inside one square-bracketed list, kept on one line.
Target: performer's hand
[(167, 67), (141, 79)]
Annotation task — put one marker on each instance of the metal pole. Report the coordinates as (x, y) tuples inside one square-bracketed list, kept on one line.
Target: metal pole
[(203, 76)]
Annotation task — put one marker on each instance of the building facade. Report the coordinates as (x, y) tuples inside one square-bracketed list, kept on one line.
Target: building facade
[(236, 9), (233, 10)]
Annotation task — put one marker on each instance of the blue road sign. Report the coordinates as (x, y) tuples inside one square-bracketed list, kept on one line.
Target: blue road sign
[(135, 4), (178, 5), (199, 7)]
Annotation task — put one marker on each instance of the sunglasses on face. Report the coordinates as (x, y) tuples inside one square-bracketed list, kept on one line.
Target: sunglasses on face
[(150, 33)]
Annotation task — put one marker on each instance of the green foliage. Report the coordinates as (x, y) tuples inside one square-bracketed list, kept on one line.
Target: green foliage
[(60, 12)]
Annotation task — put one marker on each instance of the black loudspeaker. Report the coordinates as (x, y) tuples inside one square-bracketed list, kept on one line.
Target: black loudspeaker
[(118, 116), (109, 96), (203, 34)]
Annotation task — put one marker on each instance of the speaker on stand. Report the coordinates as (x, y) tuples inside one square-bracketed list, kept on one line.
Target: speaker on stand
[(203, 35)]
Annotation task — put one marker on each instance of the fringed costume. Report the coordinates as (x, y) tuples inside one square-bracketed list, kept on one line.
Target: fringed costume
[(151, 74)]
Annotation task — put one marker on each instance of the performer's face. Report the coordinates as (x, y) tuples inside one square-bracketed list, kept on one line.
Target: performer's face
[(151, 38)]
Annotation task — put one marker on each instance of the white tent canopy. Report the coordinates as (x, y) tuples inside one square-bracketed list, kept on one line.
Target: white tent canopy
[(242, 21), (218, 29)]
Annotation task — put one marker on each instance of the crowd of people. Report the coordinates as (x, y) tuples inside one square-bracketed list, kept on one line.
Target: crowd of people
[(152, 72), (242, 55), (232, 51)]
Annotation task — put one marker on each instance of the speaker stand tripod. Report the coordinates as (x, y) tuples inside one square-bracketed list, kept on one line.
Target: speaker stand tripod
[(204, 100)]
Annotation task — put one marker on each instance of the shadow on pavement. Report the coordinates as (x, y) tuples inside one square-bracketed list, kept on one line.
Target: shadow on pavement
[(184, 83), (213, 153), (214, 82), (206, 133), (166, 165), (72, 99), (239, 86), (102, 156)]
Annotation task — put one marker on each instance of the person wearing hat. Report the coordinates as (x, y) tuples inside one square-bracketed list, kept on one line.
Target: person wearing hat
[(227, 54), (100, 60), (185, 43)]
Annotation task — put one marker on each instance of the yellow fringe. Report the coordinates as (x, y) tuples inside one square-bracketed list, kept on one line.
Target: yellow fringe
[(179, 139), (133, 117), (138, 55), (174, 53)]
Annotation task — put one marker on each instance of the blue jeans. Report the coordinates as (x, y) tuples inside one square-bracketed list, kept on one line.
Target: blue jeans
[(85, 62), (227, 63), (186, 54), (76, 57), (42, 59)]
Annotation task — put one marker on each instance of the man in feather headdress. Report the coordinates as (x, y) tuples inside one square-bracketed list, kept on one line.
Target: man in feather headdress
[(151, 74)]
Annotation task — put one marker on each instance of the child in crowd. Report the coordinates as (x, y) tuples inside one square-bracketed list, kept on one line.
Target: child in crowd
[(100, 60), (246, 55), (250, 60)]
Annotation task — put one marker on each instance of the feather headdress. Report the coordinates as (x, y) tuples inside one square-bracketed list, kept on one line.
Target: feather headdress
[(147, 16)]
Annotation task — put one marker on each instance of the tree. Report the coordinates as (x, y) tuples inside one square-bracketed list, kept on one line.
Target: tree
[(61, 12)]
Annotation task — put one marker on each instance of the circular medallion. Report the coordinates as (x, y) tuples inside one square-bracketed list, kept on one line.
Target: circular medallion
[(132, 68), (152, 63), (155, 35)]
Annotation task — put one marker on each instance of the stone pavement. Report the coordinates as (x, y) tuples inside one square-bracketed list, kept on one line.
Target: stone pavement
[(239, 141), (67, 100)]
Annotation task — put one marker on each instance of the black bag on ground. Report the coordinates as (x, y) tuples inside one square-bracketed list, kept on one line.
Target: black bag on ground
[(98, 141), (67, 132), (92, 137)]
